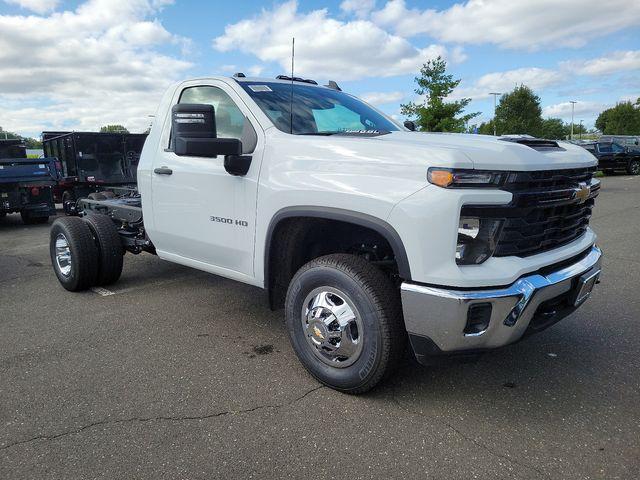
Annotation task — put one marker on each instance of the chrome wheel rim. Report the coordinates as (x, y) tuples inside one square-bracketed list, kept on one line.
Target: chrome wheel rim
[(63, 255), (635, 168), (332, 327)]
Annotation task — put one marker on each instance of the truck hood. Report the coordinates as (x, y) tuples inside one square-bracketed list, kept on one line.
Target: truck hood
[(454, 150)]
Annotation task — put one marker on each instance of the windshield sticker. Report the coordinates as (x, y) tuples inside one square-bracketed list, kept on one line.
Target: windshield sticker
[(260, 88)]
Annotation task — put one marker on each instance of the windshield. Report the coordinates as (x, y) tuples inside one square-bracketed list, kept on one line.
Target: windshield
[(316, 111)]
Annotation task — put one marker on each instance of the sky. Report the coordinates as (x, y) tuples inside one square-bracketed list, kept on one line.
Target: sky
[(78, 65)]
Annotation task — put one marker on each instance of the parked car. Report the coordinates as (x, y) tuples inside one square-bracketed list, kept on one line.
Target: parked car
[(25, 183), (624, 140), (92, 162), (370, 236), (613, 156)]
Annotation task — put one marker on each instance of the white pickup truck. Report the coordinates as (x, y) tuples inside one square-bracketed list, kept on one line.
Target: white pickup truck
[(372, 237)]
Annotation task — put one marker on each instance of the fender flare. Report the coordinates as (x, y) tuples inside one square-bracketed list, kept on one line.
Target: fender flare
[(347, 216)]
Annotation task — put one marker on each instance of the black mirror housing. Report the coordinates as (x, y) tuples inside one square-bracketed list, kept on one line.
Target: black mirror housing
[(207, 147), (410, 125), (194, 134)]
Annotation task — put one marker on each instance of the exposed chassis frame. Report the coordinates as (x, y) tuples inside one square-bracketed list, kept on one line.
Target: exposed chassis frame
[(126, 214)]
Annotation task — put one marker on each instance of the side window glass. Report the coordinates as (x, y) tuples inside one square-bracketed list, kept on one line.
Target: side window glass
[(617, 148), (229, 118), (604, 148)]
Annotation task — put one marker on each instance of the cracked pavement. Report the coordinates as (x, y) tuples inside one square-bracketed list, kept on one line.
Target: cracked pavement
[(181, 374)]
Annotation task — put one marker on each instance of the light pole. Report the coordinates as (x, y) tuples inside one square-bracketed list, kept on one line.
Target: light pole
[(495, 96), (573, 104)]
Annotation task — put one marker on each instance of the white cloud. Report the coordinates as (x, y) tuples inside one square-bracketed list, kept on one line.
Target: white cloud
[(503, 82), (612, 63), (581, 109), (360, 8), (513, 23), (98, 64), (325, 47), (38, 6), (382, 98)]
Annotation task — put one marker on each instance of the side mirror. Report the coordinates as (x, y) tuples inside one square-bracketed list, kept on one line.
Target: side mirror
[(195, 135), (410, 125), (194, 132)]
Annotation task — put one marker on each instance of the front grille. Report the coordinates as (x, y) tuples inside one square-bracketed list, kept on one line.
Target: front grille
[(545, 212)]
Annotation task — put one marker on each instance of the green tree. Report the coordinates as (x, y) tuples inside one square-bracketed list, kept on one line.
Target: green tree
[(435, 114), (554, 129), (29, 141), (519, 112), (113, 129), (486, 128), (623, 119)]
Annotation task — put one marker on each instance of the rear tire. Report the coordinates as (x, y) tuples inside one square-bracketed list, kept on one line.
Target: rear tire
[(634, 167), (74, 254), (340, 287), (30, 220), (110, 249)]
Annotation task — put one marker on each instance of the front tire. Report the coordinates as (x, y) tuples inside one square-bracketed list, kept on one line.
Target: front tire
[(74, 254), (345, 323), (634, 167)]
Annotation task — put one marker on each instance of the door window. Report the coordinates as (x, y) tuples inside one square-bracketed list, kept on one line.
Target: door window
[(229, 118)]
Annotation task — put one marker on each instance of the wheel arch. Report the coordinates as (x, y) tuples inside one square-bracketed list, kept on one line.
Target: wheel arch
[(376, 224)]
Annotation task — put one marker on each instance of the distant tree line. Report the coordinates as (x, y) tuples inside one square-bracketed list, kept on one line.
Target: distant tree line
[(28, 141), (518, 112)]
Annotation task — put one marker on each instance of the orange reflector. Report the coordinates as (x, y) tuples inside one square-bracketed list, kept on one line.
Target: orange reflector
[(442, 178)]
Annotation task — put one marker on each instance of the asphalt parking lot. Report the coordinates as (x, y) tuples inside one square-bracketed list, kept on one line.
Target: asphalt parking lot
[(173, 373)]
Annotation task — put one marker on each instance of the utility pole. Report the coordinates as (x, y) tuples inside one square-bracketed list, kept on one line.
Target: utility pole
[(573, 104), (495, 96)]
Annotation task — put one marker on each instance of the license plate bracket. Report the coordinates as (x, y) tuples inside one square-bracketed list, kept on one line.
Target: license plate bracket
[(585, 285)]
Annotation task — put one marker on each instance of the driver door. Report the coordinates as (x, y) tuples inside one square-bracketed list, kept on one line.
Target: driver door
[(203, 216)]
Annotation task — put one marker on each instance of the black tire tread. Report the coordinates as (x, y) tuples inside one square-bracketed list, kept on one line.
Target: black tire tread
[(109, 246), (83, 248), (386, 298), (629, 168)]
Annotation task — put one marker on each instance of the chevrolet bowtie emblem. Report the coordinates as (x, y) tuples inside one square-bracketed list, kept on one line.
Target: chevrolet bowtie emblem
[(318, 333), (582, 192)]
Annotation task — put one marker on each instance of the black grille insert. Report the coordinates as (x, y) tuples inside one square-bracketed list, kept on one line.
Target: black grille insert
[(549, 209)]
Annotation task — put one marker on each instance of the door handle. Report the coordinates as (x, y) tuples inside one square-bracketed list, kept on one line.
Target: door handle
[(163, 171)]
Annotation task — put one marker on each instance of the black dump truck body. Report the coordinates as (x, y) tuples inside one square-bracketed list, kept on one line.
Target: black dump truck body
[(91, 161), (26, 183)]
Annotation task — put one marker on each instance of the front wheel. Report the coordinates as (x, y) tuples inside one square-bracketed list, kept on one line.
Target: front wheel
[(345, 323), (634, 167)]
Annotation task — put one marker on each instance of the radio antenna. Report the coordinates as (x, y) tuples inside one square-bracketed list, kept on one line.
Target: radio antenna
[(293, 56)]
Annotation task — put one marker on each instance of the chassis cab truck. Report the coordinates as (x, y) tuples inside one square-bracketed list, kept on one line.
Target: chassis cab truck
[(372, 237)]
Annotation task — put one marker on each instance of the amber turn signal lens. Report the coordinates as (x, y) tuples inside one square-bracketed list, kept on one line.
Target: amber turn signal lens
[(442, 178)]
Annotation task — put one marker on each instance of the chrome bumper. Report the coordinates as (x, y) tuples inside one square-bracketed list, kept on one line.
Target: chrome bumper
[(439, 316)]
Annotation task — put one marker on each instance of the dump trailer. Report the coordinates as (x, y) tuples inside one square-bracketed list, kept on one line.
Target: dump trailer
[(92, 163), (26, 183)]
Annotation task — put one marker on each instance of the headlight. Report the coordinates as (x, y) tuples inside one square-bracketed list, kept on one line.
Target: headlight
[(476, 239), (448, 178)]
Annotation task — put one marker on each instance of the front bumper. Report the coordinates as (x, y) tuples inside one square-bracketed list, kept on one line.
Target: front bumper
[(438, 319)]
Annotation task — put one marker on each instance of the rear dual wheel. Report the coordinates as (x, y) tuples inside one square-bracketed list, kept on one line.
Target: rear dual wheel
[(85, 252)]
